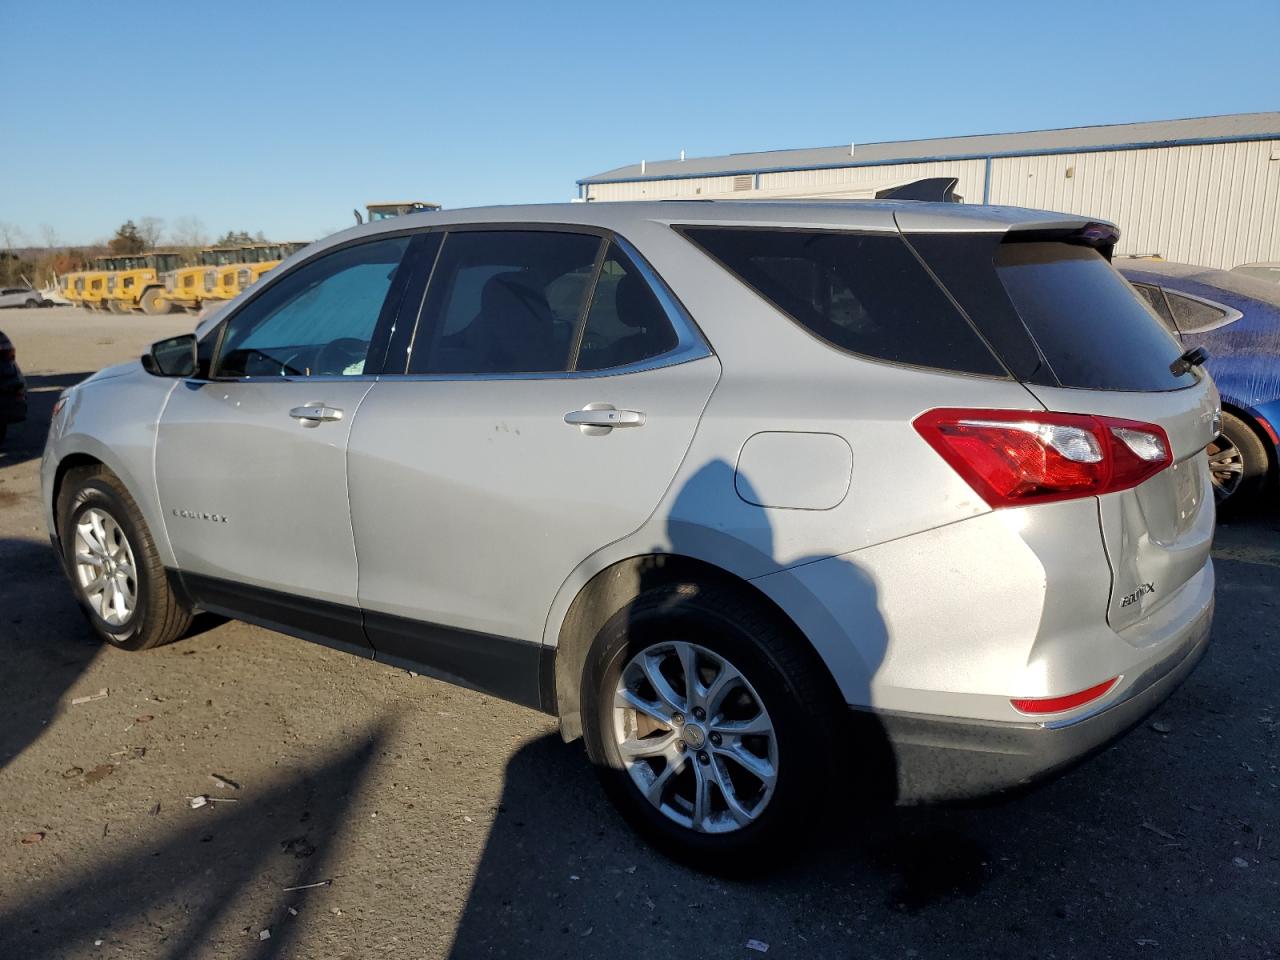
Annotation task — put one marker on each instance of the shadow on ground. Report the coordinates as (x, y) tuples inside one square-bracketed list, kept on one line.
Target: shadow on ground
[(45, 643), (1138, 849), (181, 888)]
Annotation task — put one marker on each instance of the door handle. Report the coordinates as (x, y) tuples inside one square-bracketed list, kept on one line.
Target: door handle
[(599, 418), (313, 413)]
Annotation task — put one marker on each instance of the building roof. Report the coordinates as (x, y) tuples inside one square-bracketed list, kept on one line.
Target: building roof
[(1117, 136)]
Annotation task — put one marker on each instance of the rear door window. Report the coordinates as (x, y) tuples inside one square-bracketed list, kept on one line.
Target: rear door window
[(504, 301), (626, 324), (866, 294), (537, 301), (1090, 327)]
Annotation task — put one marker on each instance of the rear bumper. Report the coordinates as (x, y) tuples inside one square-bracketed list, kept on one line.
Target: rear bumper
[(940, 759)]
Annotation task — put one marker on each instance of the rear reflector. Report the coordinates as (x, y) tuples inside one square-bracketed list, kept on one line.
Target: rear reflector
[(1017, 457), (1070, 701)]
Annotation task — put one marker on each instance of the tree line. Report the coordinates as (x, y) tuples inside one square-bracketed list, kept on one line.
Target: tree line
[(39, 264)]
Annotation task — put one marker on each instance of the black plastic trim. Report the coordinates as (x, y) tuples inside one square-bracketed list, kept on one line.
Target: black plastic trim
[(506, 668), (951, 759), (513, 670), (333, 624)]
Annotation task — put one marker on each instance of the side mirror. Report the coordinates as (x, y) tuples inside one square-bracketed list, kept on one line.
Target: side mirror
[(175, 357)]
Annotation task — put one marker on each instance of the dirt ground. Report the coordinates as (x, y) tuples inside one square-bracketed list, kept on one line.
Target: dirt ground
[(449, 824)]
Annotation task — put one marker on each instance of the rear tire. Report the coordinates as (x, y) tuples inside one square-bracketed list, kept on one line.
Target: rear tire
[(1239, 464), (111, 560), (117, 306), (31, 304), (154, 304), (678, 795)]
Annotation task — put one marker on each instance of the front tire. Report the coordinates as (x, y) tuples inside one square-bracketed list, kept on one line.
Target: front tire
[(111, 560), (154, 303), (1238, 464), (713, 728)]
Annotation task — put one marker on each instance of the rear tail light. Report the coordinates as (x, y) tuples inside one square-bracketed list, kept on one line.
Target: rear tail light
[(1017, 457), (1068, 702)]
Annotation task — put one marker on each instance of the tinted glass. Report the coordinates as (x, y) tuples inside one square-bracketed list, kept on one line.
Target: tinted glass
[(317, 320), (866, 294), (504, 301), (1092, 329), (1155, 300), (626, 323), (1193, 316)]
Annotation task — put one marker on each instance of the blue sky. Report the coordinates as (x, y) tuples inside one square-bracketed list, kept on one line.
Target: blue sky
[(282, 116)]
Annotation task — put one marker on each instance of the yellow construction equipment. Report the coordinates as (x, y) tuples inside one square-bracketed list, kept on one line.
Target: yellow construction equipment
[(189, 287), (397, 208), (72, 286), (261, 258), (138, 283), (94, 296), (220, 281)]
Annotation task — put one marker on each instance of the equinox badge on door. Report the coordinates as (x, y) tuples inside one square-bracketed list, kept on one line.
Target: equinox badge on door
[(200, 515)]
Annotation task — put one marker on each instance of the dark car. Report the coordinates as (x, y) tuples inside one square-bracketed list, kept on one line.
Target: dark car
[(1237, 319), (13, 388)]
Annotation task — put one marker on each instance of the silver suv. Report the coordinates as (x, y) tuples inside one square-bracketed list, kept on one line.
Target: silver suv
[(757, 498)]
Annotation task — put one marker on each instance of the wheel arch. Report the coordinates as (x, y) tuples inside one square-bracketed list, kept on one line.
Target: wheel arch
[(611, 589), (1253, 420), (71, 462), (88, 451)]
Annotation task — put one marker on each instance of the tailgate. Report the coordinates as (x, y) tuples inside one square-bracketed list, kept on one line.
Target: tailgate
[(1078, 336), (1158, 534)]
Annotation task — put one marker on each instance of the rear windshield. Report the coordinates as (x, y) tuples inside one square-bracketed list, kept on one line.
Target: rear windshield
[(862, 293), (1092, 329)]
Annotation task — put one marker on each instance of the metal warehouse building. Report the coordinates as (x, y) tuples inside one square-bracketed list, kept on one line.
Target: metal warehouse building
[(1205, 190)]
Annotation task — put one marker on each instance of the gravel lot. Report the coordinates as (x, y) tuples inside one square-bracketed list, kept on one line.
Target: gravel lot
[(452, 824)]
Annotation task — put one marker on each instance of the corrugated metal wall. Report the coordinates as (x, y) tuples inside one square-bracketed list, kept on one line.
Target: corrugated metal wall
[(1216, 205), (661, 189), (840, 183), (865, 181)]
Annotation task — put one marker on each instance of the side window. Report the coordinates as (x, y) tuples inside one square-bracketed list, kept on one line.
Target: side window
[(1155, 300), (504, 301), (626, 323), (318, 320), (1194, 316), (866, 294)]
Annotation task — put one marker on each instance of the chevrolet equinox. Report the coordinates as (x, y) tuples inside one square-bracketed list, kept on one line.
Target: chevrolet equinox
[(757, 498)]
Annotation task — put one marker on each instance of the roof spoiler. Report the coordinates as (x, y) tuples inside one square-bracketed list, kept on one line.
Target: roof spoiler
[(934, 189)]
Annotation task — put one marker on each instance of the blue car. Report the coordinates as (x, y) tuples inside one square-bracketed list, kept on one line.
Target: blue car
[(1237, 319)]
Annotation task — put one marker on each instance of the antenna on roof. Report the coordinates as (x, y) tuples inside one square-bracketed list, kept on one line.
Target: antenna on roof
[(682, 154), (642, 166), (851, 146)]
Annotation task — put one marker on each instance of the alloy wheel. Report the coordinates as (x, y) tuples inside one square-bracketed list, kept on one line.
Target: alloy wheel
[(695, 737), (1226, 467), (105, 568)]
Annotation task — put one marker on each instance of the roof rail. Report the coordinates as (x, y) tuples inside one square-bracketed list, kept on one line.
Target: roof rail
[(935, 189)]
